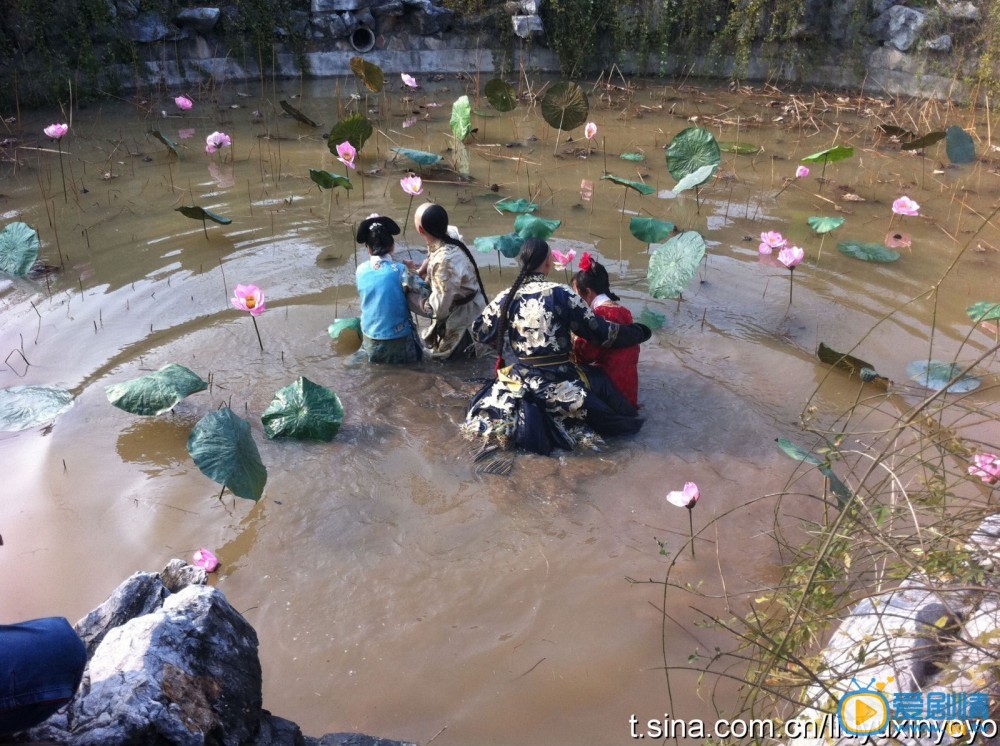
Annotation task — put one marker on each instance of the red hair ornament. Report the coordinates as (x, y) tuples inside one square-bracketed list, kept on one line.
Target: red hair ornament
[(585, 262)]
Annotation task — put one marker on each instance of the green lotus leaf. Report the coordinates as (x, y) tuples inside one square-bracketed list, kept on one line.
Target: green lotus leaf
[(984, 310), (825, 224), (869, 252), (634, 157), (691, 149), (830, 155), (222, 447), (519, 205), (171, 145), (296, 114), (853, 365), (935, 375), (355, 129), (926, 140), (18, 248), (370, 74), (509, 244), (200, 213), (327, 180), (461, 118), (674, 263), (840, 490), (23, 407), (565, 106), (637, 185), (501, 95), (740, 148), (959, 145), (155, 393), (695, 178), (305, 411), (650, 230), (532, 226), (341, 325), (652, 319), (419, 156)]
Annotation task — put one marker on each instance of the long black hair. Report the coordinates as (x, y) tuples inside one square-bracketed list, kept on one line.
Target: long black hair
[(380, 241), (534, 252), (434, 221), (594, 277)]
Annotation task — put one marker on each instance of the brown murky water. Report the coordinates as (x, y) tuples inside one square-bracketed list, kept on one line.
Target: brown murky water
[(394, 590)]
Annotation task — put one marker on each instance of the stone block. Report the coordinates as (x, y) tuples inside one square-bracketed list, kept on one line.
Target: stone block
[(328, 6), (525, 26), (905, 25), (198, 20)]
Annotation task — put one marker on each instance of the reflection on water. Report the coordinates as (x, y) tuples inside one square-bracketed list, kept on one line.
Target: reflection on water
[(394, 590)]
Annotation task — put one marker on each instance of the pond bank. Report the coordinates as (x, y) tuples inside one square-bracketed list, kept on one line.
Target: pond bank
[(170, 661)]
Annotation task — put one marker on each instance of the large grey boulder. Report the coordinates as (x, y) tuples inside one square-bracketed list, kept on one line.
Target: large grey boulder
[(198, 20), (963, 10), (904, 26)]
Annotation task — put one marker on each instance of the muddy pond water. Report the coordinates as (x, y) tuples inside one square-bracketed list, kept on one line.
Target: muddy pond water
[(395, 590)]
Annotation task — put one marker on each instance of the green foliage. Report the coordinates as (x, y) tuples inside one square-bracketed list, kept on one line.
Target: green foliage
[(252, 31), (582, 33)]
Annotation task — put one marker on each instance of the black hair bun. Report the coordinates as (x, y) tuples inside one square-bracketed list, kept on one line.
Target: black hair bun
[(383, 222)]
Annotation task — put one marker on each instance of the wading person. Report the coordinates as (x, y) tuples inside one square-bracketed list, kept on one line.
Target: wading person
[(542, 400), (456, 294)]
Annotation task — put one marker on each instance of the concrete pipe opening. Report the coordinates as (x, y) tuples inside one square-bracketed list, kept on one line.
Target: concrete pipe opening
[(363, 39)]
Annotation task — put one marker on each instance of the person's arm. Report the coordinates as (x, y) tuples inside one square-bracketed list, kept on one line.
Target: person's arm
[(585, 351), (444, 282)]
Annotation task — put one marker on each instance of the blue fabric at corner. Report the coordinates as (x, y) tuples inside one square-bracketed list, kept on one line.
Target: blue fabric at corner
[(41, 664)]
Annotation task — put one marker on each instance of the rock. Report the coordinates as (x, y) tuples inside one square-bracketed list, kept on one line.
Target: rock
[(939, 44), (179, 574), (904, 26), (143, 593), (326, 6), (198, 20), (881, 6), (963, 10), (147, 28), (386, 8), (333, 25), (525, 26), (432, 20)]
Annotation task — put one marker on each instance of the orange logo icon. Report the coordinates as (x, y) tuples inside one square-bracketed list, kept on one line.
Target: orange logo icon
[(863, 712)]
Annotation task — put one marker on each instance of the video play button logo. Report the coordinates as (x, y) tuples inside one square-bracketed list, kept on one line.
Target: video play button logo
[(863, 712)]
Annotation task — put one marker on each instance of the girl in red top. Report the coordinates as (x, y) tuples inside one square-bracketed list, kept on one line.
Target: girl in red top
[(621, 365)]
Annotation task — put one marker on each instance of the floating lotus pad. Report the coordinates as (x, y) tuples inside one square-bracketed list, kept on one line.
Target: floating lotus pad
[(935, 375), (694, 179), (509, 244), (691, 149), (196, 212), (925, 141), (652, 319), (532, 226), (24, 407), (519, 205), (222, 447), (501, 95), (327, 180), (853, 365), (740, 148), (305, 411), (171, 145), (339, 326), (637, 185), (370, 74), (984, 310), (18, 248), (419, 156), (869, 252), (674, 264), (650, 230), (157, 392), (565, 106), (297, 115), (830, 155), (634, 157), (840, 490)]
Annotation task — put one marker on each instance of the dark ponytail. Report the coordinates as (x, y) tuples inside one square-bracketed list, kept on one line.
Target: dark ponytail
[(434, 221), (534, 251), (594, 277), (380, 241)]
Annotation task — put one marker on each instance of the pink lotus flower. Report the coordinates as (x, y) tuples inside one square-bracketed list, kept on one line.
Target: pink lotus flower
[(906, 206), (205, 559), (409, 122), (183, 103), (801, 172), (56, 131), (249, 298), (590, 130), (409, 81), (217, 141), (770, 241), (986, 466), (897, 240), (790, 256), (412, 185), (685, 498), (346, 153), (563, 260), (186, 133)]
